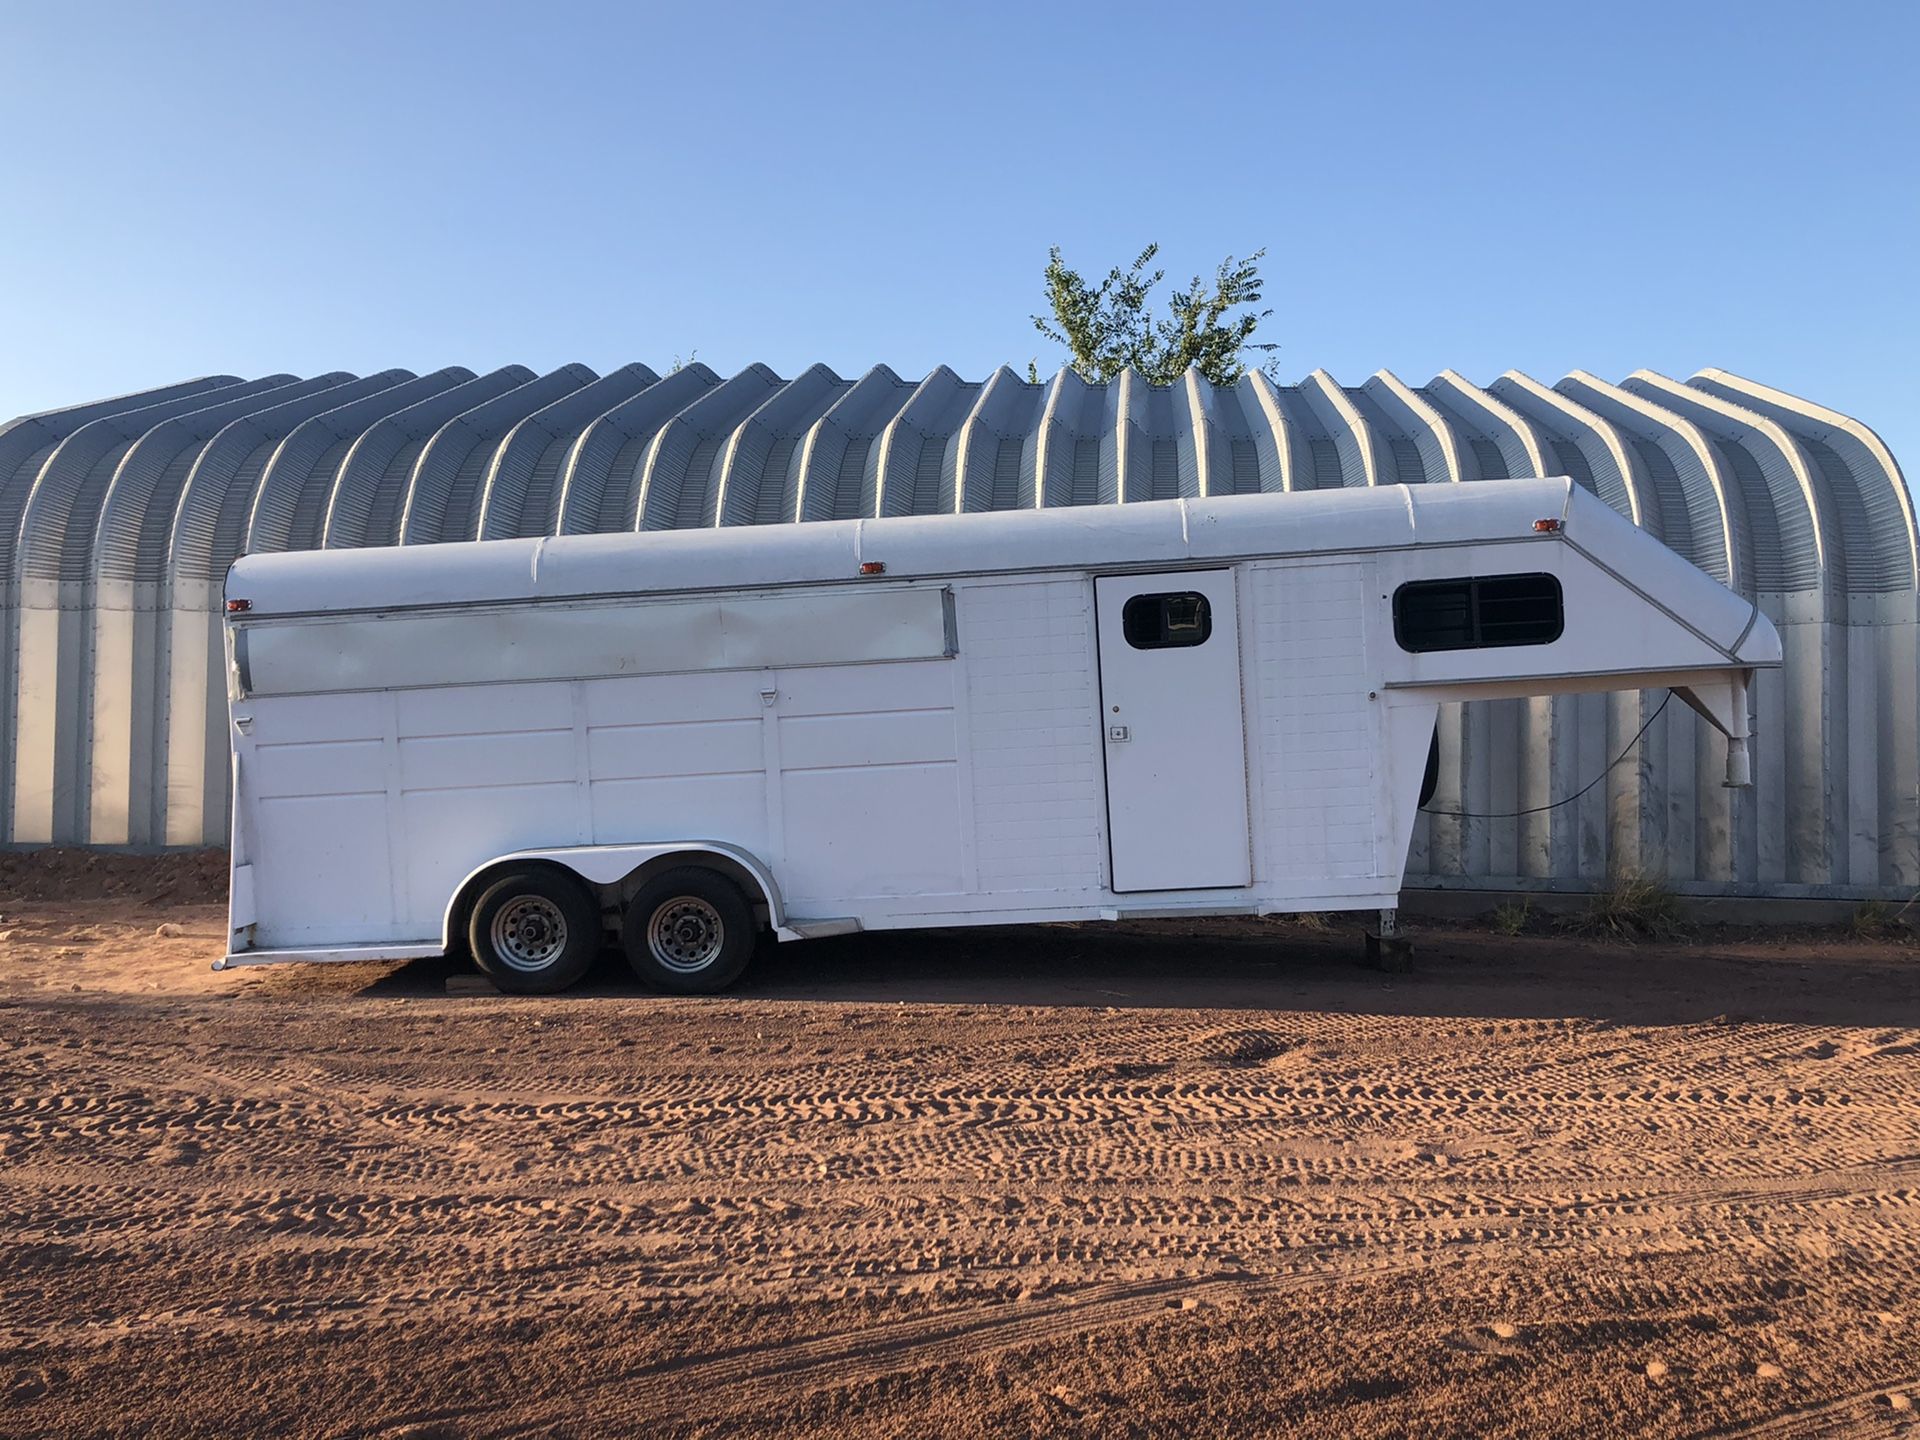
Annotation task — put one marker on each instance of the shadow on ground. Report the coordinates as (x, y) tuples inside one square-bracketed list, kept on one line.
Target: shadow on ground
[(1243, 964)]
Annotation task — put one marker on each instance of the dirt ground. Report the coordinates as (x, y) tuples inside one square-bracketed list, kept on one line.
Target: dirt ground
[(1163, 1179)]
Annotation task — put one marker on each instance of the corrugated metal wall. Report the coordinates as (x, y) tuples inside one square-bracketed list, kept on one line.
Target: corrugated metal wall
[(118, 518)]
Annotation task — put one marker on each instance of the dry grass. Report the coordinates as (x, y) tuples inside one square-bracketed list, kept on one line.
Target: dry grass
[(1872, 919), (1318, 921), (1883, 920), (1513, 918), (1633, 907)]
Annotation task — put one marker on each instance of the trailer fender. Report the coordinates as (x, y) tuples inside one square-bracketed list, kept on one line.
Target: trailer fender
[(604, 865)]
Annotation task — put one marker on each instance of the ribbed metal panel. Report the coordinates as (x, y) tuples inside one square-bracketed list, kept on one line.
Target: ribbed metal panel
[(118, 518), (455, 458), (910, 458), (28, 443), (676, 486), (1876, 520), (1488, 422), (1685, 502), (537, 504), (1172, 469), (1270, 434), (1067, 453), (135, 528), (550, 430), (1786, 517), (1616, 475), (50, 639), (1355, 440), (1200, 450), (1668, 516), (835, 479), (594, 485), (374, 476), (1329, 463), (290, 504), (209, 524), (74, 480), (1569, 459), (992, 468), (1423, 439), (758, 482)]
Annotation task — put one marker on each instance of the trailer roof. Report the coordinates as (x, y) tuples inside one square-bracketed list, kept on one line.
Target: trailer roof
[(909, 547), (1168, 533)]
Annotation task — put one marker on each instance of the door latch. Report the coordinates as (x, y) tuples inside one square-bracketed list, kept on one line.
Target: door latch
[(1118, 733)]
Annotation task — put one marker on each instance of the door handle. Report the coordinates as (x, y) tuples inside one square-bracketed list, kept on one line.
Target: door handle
[(1118, 733)]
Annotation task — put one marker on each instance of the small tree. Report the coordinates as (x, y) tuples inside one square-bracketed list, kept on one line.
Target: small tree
[(1108, 327)]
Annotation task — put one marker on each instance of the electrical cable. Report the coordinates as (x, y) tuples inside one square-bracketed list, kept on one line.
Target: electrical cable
[(1555, 805)]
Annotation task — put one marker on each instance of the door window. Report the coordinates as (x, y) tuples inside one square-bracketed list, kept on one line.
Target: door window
[(1164, 622)]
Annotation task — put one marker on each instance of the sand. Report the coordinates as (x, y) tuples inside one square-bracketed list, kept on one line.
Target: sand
[(1145, 1180)]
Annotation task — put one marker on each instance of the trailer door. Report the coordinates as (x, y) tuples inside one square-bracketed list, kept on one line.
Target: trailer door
[(1175, 741)]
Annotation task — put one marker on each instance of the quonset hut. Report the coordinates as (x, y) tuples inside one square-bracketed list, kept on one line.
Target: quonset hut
[(119, 518)]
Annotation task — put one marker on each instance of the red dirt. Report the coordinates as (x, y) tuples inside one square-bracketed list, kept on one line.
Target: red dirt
[(1141, 1180), (197, 877)]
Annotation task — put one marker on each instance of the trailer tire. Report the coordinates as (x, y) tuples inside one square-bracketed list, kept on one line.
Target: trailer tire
[(534, 931), (689, 931)]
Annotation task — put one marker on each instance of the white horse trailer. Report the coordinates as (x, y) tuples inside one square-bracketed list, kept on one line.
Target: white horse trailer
[(1210, 706)]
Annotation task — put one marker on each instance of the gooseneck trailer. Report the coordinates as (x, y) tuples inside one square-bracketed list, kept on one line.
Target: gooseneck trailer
[(523, 748)]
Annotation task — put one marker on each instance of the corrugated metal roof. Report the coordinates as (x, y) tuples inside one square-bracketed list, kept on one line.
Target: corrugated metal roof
[(133, 507)]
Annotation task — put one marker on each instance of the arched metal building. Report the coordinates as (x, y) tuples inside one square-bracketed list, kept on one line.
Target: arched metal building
[(118, 519)]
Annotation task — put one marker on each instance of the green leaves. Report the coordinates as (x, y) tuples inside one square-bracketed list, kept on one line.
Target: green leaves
[(1108, 327)]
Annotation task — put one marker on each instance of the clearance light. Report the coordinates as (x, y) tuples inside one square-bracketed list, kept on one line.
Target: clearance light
[(874, 567), (239, 607), (1546, 527)]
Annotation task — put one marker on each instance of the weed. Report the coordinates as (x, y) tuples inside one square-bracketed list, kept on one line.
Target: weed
[(1513, 917), (1634, 907), (1903, 921), (1873, 919), (1317, 920)]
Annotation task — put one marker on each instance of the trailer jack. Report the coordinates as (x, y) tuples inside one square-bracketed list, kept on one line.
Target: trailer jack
[(1388, 949)]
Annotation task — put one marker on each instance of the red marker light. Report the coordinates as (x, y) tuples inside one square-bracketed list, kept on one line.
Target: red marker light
[(239, 607), (873, 567), (1546, 527)]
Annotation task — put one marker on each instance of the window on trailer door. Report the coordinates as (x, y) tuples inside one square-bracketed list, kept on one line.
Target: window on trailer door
[(1478, 612), (1164, 622)]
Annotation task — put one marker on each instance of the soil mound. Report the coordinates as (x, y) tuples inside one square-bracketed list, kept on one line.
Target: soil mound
[(183, 877)]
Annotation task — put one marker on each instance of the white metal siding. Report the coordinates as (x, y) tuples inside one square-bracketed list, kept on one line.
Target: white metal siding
[(1317, 735), (1037, 796)]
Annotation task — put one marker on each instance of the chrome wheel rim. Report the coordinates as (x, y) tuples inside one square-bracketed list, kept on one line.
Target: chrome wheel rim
[(529, 933), (686, 935)]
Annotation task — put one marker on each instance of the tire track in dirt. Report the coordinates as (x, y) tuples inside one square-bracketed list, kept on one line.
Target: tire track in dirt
[(757, 1376), (1881, 1410), (726, 1194)]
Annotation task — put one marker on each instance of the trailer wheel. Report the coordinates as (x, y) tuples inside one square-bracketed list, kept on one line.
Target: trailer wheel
[(689, 931), (534, 931)]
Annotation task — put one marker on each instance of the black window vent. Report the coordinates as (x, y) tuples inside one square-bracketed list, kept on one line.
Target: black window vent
[(1478, 612)]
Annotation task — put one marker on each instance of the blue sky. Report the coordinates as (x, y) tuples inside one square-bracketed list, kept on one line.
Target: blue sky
[(201, 187)]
